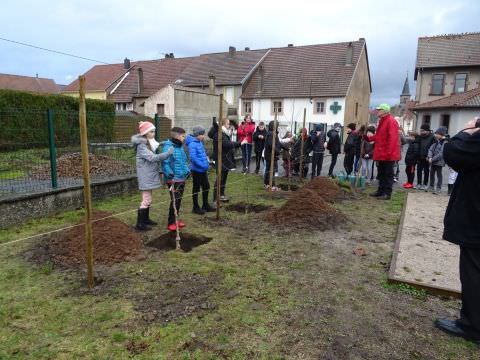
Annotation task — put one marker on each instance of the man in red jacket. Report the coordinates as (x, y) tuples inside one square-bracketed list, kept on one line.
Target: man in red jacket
[(386, 151)]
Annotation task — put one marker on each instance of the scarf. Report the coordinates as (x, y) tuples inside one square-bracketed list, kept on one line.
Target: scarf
[(154, 144)]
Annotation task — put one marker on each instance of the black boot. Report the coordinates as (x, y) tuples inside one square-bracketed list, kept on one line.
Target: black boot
[(148, 221), (141, 217)]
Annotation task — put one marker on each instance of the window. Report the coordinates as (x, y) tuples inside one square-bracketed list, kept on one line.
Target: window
[(445, 120), (277, 107), (437, 84), (160, 109), (426, 119), (247, 107), (232, 111), (121, 106), (319, 107), (460, 83), (229, 94)]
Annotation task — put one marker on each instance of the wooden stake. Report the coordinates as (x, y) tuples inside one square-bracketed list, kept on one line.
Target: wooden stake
[(272, 157), (219, 155), (87, 197), (302, 143), (175, 212)]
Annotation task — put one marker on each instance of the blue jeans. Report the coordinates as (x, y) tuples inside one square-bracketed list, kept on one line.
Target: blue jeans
[(246, 155)]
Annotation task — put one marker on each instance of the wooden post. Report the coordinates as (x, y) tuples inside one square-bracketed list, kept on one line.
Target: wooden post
[(87, 198), (272, 156), (175, 212), (219, 155), (302, 141)]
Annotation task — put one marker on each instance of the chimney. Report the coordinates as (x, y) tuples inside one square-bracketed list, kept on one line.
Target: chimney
[(126, 64), (290, 45), (261, 74), (140, 81), (167, 56), (349, 55), (247, 49), (211, 84), (232, 51), (361, 39)]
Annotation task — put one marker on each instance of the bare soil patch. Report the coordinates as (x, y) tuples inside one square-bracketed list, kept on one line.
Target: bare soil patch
[(285, 187), (166, 242), (245, 207)]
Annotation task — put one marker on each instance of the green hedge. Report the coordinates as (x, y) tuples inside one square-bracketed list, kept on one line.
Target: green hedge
[(23, 119)]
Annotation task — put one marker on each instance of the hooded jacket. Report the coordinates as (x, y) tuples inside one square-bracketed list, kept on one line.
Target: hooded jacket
[(413, 153), (175, 168), (387, 140), (334, 142), (245, 131), (148, 164), (259, 143), (436, 153), (425, 141), (198, 156), (462, 225), (318, 141)]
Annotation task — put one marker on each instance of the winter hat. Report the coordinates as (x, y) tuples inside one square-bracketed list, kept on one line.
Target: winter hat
[(371, 128), (261, 123), (425, 127), (198, 130), (352, 126), (144, 127), (337, 125), (442, 130), (384, 107), (318, 128)]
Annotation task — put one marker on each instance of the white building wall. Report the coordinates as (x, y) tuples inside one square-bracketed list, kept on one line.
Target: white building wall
[(162, 96), (458, 119)]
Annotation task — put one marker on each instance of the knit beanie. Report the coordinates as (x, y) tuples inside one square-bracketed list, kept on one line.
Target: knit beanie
[(442, 130), (198, 130), (425, 127), (144, 127)]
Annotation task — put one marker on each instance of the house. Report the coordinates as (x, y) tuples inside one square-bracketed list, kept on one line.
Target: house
[(447, 73), (331, 81), (30, 84), (403, 111)]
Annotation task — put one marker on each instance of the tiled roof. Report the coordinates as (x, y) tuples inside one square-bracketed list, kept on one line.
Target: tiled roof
[(467, 99), (228, 70), (448, 50), (305, 71), (156, 75), (27, 83), (99, 78)]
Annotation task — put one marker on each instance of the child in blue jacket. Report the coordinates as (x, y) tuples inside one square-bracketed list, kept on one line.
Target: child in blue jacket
[(199, 165), (176, 172)]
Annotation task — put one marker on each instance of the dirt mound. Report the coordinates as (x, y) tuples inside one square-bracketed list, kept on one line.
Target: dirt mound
[(326, 188), (285, 187), (306, 208), (70, 166), (113, 242)]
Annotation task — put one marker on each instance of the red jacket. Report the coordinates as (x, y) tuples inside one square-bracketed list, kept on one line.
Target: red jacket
[(245, 131), (387, 140)]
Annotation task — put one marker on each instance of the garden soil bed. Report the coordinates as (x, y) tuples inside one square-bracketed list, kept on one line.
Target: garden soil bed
[(241, 207), (166, 242)]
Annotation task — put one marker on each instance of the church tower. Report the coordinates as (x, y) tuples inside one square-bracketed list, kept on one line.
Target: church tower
[(405, 96)]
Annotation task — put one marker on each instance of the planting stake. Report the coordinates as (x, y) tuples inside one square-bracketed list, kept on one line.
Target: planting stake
[(175, 212), (219, 155), (87, 198), (302, 143)]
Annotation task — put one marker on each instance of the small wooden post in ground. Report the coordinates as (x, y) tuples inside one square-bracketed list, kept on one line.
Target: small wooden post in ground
[(302, 143), (175, 212), (87, 198), (219, 155), (272, 156)]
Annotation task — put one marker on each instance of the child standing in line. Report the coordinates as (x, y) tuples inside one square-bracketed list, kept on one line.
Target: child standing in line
[(245, 132), (435, 158), (367, 156), (259, 142), (148, 170), (411, 158), (176, 172)]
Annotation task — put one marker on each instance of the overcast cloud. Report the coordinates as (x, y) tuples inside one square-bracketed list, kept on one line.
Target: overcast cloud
[(113, 29)]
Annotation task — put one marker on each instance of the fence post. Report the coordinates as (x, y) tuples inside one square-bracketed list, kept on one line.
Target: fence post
[(157, 127), (52, 148)]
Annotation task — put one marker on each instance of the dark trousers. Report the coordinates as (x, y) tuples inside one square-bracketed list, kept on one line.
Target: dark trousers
[(423, 168), (200, 181), (397, 169), (348, 163), (332, 164), (356, 162), (410, 171), (436, 170), (223, 183), (258, 160), (385, 177), (317, 163), (373, 169), (470, 279), (266, 176), (246, 155), (178, 189)]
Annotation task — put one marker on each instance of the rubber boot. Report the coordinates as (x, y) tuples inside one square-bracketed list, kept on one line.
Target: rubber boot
[(206, 206), (141, 217), (148, 221)]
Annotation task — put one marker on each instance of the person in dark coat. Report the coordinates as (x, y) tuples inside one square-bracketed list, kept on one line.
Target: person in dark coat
[(259, 144), (411, 158), (228, 161), (425, 140), (462, 227), (297, 153), (333, 145), (318, 140), (349, 148), (268, 154)]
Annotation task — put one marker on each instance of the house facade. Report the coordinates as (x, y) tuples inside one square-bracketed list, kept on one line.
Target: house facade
[(448, 75)]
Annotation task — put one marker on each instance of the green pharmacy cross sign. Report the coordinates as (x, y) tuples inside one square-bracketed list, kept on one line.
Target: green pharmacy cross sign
[(335, 107)]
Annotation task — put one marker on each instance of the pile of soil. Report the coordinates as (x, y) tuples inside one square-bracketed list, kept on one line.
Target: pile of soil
[(241, 207), (113, 242), (70, 166), (326, 188)]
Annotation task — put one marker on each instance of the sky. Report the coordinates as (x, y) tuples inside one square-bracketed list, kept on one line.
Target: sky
[(110, 30)]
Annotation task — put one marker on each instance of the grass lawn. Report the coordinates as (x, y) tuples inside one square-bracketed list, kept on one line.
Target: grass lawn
[(250, 293)]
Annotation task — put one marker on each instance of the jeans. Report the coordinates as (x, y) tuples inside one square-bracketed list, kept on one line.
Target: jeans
[(317, 163), (332, 164), (178, 189), (246, 155), (258, 160), (223, 183), (356, 162), (385, 177), (436, 170), (200, 181), (423, 168), (366, 167)]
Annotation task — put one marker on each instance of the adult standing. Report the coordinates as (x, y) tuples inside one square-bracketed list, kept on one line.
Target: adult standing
[(259, 137), (318, 140), (350, 147), (462, 227), (425, 140), (245, 137), (386, 151), (334, 145)]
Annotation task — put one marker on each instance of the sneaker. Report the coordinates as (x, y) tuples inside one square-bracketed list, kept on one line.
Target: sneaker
[(404, 184), (395, 179), (171, 227), (198, 211), (409, 186), (384, 197), (180, 223), (431, 189), (224, 198)]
